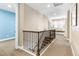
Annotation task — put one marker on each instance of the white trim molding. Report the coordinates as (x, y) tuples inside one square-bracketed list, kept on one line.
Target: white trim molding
[(7, 39), (73, 52), (26, 51), (73, 48), (47, 47), (19, 47), (17, 26)]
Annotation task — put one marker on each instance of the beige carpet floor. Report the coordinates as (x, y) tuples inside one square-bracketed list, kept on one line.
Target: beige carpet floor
[(7, 48), (60, 47)]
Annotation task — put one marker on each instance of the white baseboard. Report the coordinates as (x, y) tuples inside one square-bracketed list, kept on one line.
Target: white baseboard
[(47, 47), (7, 39), (26, 50), (73, 51), (18, 47), (72, 48)]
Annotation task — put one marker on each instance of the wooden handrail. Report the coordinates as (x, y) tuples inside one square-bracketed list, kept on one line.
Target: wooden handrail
[(59, 31), (39, 38), (30, 31), (37, 31)]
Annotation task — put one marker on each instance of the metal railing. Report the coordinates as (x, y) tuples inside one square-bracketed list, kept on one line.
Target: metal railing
[(33, 40)]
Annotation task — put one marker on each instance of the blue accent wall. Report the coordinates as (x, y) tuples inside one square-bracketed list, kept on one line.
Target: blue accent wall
[(7, 24)]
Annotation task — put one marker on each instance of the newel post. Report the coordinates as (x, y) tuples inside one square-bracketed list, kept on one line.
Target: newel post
[(38, 50)]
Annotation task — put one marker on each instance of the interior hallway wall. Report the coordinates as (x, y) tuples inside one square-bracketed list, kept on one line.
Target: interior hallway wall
[(20, 16), (34, 21), (30, 20), (75, 36)]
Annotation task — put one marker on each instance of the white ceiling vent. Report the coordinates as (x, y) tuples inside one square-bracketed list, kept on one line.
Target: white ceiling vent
[(57, 4)]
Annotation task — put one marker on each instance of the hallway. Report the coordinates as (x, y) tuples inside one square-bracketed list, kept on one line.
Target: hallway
[(60, 47)]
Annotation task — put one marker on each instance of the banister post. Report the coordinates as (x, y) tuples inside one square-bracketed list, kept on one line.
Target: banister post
[(38, 50), (54, 33), (50, 33)]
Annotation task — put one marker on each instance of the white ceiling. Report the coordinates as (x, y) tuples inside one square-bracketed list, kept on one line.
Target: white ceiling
[(52, 11), (8, 6)]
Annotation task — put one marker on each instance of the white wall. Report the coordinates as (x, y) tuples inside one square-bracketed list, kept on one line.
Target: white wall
[(20, 22), (74, 39), (30, 20), (67, 25), (34, 21)]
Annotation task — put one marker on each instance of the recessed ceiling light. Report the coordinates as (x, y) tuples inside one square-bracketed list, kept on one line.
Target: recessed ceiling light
[(48, 5), (9, 6)]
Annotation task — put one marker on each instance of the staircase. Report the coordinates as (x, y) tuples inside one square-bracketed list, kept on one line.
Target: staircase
[(42, 39), (46, 42)]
